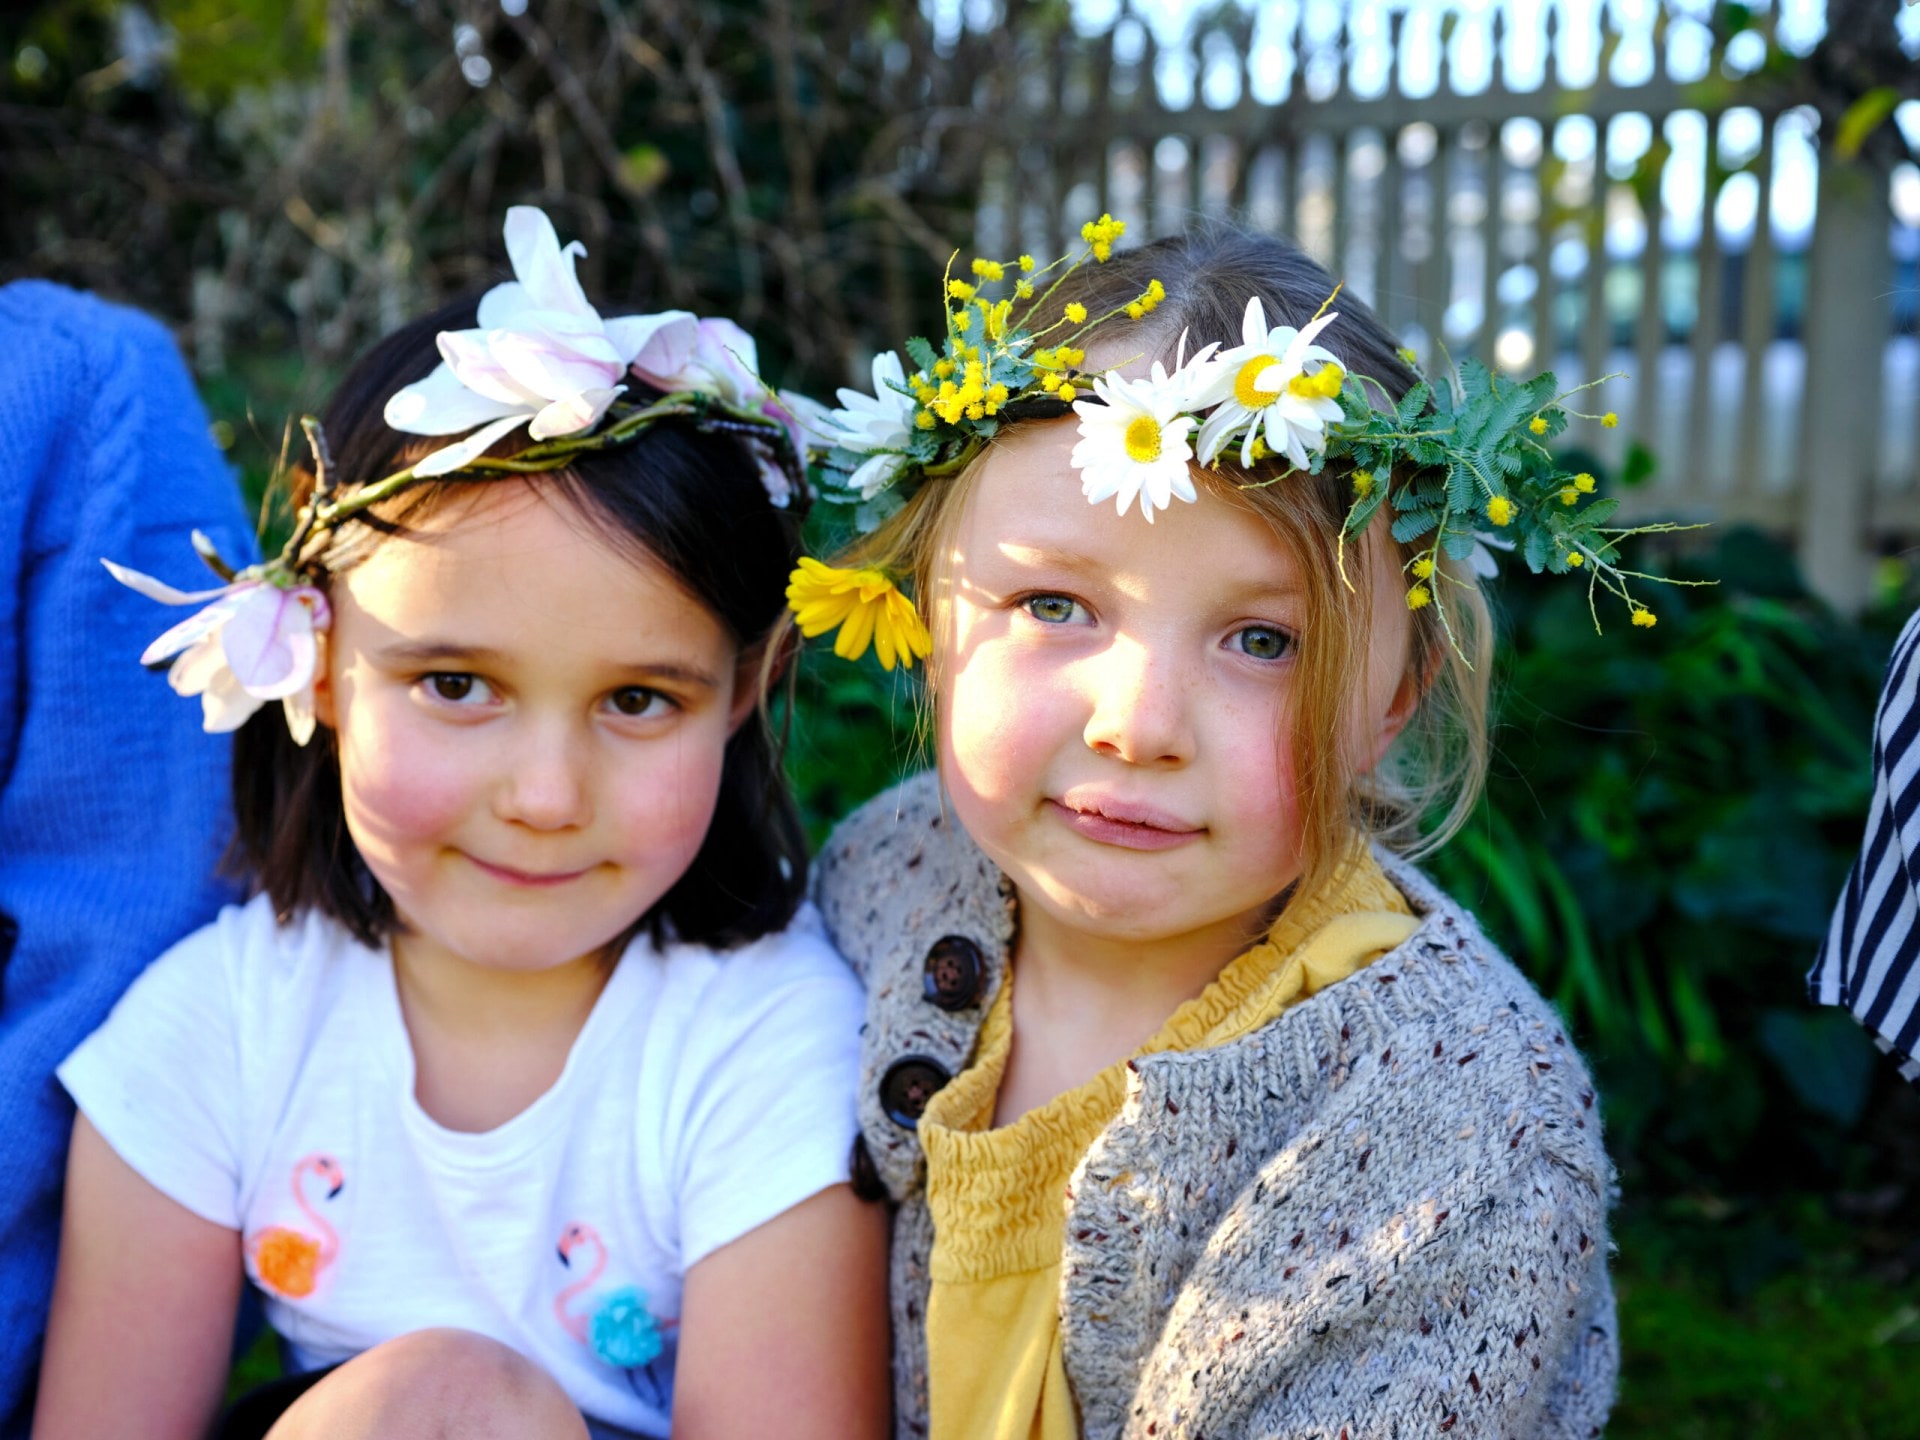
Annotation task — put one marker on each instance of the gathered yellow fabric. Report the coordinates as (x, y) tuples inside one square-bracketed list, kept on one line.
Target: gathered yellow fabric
[(998, 1197)]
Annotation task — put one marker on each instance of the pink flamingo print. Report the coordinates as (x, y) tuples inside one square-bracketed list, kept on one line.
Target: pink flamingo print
[(617, 1326), (571, 1239), (288, 1262)]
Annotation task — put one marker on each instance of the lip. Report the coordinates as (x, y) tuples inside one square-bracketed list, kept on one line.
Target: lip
[(1109, 820), (525, 878)]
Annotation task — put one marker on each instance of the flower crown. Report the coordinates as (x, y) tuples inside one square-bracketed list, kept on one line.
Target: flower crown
[(1462, 462), (542, 357)]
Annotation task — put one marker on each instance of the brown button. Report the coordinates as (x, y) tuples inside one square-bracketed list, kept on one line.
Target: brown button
[(953, 973), (907, 1086), (866, 1180)]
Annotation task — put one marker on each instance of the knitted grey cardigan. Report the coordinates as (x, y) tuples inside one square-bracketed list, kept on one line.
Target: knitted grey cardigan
[(1381, 1215)]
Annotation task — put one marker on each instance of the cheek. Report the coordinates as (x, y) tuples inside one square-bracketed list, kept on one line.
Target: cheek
[(998, 718), (665, 795), (1258, 775), (398, 790)]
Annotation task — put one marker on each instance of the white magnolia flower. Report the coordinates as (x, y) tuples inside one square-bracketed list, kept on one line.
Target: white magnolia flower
[(1134, 439), (720, 360), (805, 421), (541, 357), (1481, 562), (1276, 381), (878, 426), (253, 644)]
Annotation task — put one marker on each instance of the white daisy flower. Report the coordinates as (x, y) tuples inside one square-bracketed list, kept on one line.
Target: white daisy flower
[(878, 426), (1278, 384), (1134, 440)]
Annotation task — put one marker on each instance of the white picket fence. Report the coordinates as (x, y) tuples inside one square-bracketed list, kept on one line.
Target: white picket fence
[(1570, 185)]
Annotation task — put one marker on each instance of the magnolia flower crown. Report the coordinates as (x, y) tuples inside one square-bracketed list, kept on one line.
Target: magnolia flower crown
[(542, 357), (1463, 463)]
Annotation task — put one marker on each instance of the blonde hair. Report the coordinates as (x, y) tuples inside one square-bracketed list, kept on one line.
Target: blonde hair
[(1430, 779)]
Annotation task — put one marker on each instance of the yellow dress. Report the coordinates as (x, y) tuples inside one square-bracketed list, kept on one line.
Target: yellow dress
[(998, 1196)]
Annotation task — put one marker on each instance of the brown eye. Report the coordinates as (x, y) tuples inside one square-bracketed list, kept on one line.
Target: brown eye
[(451, 687), (639, 703)]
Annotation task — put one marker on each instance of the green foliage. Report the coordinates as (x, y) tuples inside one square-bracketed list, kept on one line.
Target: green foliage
[(1811, 1344), (1670, 817)]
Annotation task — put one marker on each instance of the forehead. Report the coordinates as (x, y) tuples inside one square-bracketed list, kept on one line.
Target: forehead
[(1027, 506), (502, 562)]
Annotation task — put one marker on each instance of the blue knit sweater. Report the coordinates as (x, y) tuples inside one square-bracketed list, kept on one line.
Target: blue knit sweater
[(113, 803)]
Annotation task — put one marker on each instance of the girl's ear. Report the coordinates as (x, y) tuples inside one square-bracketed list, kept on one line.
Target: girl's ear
[(323, 708), (1414, 680), (756, 672)]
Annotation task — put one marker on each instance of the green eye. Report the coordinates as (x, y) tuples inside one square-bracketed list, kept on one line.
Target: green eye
[(1264, 642), (1053, 609)]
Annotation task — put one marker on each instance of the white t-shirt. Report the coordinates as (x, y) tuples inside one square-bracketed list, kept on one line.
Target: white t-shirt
[(262, 1077)]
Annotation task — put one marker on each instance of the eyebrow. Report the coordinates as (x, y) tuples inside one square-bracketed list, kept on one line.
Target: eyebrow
[(408, 654)]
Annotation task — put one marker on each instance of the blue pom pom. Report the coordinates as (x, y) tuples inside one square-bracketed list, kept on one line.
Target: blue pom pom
[(623, 1332)]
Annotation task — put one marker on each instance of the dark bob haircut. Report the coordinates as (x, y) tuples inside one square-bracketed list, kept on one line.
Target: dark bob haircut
[(690, 499)]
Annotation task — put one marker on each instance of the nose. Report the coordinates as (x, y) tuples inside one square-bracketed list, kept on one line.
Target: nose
[(546, 784), (1141, 706)]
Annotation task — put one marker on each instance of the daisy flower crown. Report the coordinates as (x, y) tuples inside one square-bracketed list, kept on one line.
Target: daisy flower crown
[(541, 357), (1461, 462)]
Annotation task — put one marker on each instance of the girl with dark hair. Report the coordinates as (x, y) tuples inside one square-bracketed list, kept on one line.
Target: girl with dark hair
[(522, 1089)]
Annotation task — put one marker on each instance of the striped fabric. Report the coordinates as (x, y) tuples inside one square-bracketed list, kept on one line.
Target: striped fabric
[(1868, 961)]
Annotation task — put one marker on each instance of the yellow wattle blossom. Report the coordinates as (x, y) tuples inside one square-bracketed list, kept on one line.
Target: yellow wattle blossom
[(1050, 382), (1568, 495), (1644, 617), (1136, 310), (1069, 356), (963, 320), (926, 420), (1538, 425), (1101, 233), (989, 269), (943, 367), (1067, 393), (1418, 596), (1501, 510), (1608, 421), (867, 608), (1583, 482), (1076, 313), (1026, 264), (1259, 450), (1423, 567), (1023, 290), (1362, 484), (1323, 384), (1407, 357), (1575, 560), (959, 290)]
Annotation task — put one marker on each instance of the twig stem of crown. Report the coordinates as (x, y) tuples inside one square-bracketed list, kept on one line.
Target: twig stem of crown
[(1463, 462), (542, 357)]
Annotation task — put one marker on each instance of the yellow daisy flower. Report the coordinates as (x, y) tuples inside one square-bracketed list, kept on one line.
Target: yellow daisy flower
[(867, 608)]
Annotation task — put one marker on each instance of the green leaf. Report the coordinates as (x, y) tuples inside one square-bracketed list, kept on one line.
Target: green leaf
[(1364, 510), (1463, 489), (1862, 118), (922, 353), (1599, 512), (1413, 524), (1826, 1059)]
